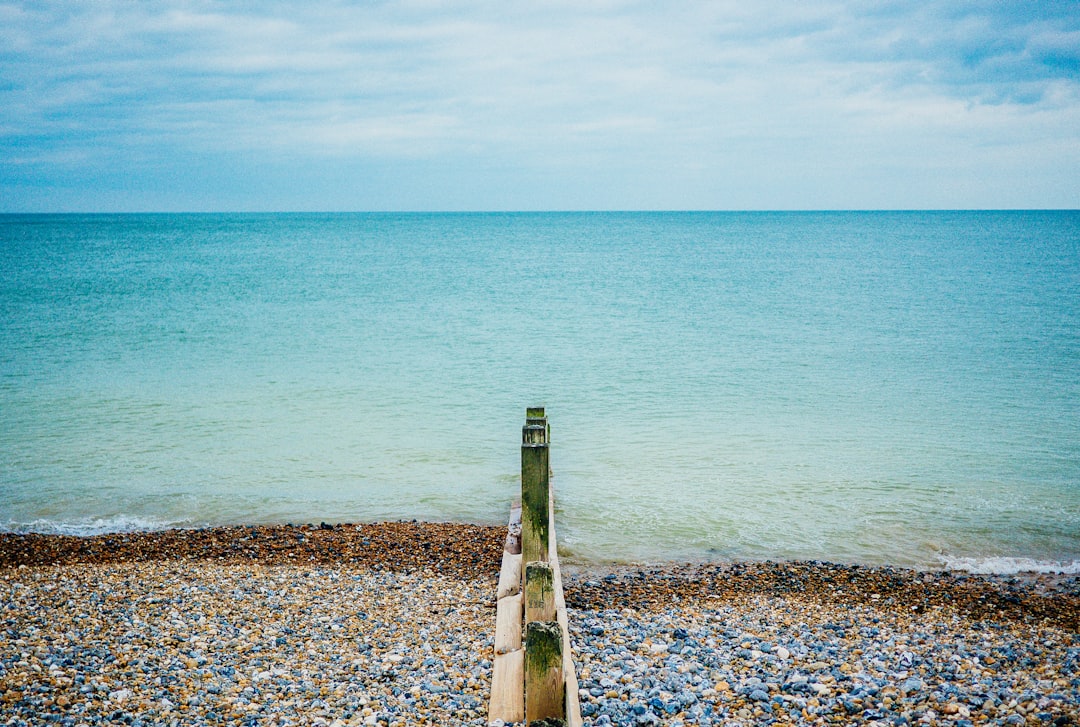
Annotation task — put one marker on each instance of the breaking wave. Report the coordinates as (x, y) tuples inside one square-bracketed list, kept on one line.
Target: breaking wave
[(91, 525), (1007, 566)]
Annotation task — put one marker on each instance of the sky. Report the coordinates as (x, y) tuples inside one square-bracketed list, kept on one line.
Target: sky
[(172, 105)]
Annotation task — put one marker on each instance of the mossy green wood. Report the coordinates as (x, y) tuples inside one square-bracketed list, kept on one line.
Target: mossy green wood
[(534, 416), (534, 503), (545, 687), (539, 592)]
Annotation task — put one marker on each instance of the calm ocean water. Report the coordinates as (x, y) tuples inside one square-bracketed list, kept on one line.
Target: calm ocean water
[(873, 387)]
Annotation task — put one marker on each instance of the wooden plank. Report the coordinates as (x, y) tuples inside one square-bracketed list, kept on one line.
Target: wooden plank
[(509, 576), (513, 529), (508, 624), (573, 703), (508, 674), (507, 698)]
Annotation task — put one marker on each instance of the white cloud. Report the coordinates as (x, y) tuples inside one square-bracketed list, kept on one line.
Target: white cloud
[(575, 87)]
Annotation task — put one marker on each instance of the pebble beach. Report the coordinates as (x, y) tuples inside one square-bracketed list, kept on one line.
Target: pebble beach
[(393, 623)]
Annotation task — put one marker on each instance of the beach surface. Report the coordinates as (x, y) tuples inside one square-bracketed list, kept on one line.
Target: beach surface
[(393, 623)]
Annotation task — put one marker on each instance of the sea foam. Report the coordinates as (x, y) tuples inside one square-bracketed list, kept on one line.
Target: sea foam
[(1002, 565), (91, 525)]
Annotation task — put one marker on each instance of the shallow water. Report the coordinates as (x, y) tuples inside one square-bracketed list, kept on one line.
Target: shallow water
[(874, 387)]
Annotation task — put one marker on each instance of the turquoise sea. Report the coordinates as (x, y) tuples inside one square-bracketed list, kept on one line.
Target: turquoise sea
[(879, 387)]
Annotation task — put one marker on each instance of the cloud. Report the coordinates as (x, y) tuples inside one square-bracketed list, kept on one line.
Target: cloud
[(986, 52), (546, 89)]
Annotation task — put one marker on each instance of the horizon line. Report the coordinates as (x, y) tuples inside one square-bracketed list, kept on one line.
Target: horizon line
[(761, 210)]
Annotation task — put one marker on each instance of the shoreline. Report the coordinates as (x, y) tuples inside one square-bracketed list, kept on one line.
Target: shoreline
[(445, 548), (473, 551), (392, 624), (1047, 570)]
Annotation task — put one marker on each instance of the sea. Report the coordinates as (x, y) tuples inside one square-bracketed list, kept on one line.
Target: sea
[(860, 387)]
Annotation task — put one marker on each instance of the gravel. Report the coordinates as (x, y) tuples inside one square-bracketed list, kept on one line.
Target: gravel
[(178, 643), (770, 660), (392, 624)]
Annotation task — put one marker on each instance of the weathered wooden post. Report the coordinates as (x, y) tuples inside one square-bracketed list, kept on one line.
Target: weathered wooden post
[(535, 415), (539, 592), (545, 687), (534, 486), (545, 681)]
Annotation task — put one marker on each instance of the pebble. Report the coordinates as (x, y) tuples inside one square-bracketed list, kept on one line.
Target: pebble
[(182, 643), (1046, 598), (798, 661), (454, 549), (391, 624)]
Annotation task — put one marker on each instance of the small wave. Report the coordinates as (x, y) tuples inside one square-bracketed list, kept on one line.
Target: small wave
[(91, 525), (1009, 566)]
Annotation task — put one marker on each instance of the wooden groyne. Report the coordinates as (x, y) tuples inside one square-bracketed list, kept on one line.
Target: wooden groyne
[(533, 676)]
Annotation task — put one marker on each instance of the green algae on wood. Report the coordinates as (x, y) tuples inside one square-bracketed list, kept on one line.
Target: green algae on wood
[(535, 483), (539, 592), (545, 688)]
